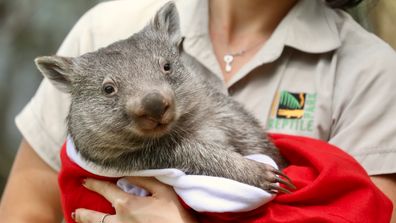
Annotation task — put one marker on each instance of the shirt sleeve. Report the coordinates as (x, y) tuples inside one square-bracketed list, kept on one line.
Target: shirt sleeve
[(364, 106), (42, 122)]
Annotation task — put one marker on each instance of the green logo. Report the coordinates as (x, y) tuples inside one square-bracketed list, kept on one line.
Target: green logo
[(293, 111)]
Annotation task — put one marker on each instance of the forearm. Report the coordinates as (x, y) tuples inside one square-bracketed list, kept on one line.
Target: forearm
[(216, 160), (387, 184), (31, 194)]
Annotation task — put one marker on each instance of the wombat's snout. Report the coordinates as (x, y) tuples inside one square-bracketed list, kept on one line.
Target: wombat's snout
[(154, 106), (155, 109)]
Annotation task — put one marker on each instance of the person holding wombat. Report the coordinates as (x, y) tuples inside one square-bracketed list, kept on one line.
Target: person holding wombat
[(300, 67)]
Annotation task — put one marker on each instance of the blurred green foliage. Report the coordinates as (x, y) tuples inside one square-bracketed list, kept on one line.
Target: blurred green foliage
[(378, 16)]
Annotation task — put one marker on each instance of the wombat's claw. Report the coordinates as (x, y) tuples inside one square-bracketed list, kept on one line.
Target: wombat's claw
[(277, 179), (287, 182), (274, 189), (280, 173)]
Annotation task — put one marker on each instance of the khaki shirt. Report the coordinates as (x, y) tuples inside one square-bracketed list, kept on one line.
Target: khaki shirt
[(319, 75)]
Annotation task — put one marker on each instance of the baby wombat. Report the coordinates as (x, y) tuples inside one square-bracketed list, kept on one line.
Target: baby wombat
[(136, 104)]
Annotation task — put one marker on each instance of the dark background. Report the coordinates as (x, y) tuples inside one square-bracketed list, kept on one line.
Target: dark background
[(30, 28)]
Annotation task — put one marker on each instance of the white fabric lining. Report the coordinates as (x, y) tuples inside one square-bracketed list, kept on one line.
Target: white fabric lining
[(201, 193)]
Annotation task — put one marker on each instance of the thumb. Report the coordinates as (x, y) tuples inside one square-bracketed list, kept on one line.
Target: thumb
[(150, 184)]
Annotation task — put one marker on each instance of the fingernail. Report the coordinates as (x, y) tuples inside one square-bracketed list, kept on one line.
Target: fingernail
[(73, 215)]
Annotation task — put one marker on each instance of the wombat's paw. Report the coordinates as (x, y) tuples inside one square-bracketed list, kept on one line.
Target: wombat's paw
[(273, 178)]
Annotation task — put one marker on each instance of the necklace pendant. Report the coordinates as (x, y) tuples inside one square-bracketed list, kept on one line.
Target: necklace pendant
[(228, 58)]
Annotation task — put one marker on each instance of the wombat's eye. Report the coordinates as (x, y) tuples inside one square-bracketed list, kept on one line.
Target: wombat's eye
[(166, 66), (109, 89)]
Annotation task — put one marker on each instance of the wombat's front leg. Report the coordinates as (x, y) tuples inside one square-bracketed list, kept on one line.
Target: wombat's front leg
[(215, 160)]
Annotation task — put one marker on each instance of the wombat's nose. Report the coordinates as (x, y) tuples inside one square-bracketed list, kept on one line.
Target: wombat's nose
[(155, 105)]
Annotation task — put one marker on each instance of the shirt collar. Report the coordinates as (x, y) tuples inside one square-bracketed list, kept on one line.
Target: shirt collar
[(309, 28), (194, 17), (306, 27)]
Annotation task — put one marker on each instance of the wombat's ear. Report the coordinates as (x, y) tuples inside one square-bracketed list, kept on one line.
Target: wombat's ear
[(167, 20), (57, 69)]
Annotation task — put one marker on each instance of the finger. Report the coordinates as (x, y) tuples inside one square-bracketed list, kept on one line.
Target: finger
[(149, 183), (108, 190), (88, 216)]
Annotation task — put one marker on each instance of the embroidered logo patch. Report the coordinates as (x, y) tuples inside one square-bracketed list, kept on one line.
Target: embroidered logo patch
[(291, 105), (293, 111)]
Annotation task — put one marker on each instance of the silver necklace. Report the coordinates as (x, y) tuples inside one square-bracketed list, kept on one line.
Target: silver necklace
[(229, 57)]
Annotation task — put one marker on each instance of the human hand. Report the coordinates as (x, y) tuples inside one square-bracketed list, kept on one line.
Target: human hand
[(161, 206)]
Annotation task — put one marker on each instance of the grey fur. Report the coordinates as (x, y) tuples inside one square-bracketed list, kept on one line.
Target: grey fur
[(209, 134)]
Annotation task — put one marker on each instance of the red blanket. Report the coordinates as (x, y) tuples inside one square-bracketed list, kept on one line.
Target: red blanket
[(332, 187)]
